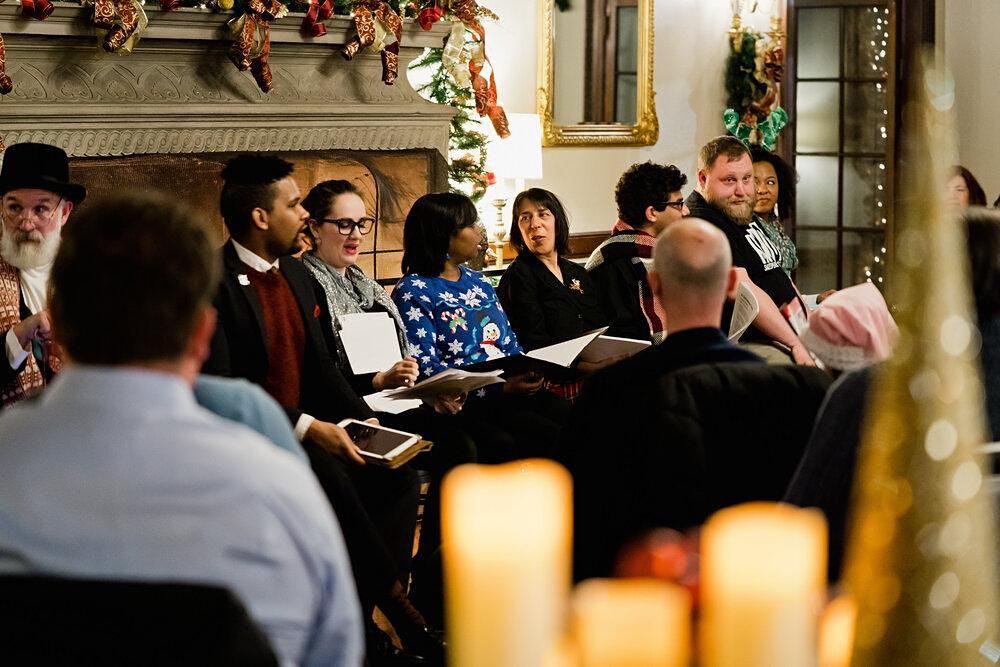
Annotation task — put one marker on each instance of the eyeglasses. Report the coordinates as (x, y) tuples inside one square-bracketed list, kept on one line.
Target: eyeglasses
[(345, 225), (676, 205), (40, 214)]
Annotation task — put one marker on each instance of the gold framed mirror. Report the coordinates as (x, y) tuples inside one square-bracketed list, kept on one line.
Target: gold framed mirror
[(595, 78)]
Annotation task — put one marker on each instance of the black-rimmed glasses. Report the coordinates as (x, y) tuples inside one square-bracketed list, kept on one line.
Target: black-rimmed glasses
[(676, 205), (345, 225)]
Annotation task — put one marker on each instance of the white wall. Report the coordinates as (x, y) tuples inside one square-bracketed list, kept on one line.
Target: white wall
[(690, 52), (970, 44)]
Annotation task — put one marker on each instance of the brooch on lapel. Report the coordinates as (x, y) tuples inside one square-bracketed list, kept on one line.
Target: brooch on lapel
[(243, 280), (316, 311), (575, 285)]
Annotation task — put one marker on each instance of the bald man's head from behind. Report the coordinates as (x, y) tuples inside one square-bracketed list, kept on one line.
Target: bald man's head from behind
[(693, 273)]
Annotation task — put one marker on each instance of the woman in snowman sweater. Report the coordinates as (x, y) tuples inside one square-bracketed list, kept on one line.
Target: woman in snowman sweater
[(453, 319)]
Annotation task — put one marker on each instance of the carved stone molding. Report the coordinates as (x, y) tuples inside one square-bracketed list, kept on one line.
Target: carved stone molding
[(109, 142), (177, 92)]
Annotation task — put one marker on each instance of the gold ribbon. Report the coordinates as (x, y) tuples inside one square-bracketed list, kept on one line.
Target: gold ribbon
[(379, 29), (124, 22), (484, 88), (252, 39)]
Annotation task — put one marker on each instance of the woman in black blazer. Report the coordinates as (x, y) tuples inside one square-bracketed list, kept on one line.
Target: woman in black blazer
[(548, 298)]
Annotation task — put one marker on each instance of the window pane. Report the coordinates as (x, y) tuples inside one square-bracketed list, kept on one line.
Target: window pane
[(866, 41), (628, 39), (816, 195), (865, 196), (819, 43), (817, 253), (866, 117), (864, 258), (817, 127), (625, 99)]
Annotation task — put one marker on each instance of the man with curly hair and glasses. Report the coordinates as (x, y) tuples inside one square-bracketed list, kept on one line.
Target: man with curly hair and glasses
[(649, 198)]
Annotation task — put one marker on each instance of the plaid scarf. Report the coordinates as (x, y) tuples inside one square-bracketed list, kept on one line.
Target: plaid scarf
[(30, 379), (353, 292), (628, 243)]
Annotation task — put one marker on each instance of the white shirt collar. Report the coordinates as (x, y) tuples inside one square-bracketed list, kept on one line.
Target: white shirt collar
[(255, 262), (34, 285)]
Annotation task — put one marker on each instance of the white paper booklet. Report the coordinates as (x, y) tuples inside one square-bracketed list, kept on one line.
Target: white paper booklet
[(592, 346), (566, 352), (744, 312), (384, 402), (370, 341), (603, 347), (449, 382)]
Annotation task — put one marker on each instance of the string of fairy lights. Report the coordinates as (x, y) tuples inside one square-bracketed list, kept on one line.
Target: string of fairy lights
[(874, 272)]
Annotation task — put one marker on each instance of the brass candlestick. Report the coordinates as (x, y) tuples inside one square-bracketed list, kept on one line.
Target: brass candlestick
[(499, 232)]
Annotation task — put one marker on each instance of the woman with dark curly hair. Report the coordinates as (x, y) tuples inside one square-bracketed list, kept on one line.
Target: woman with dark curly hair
[(775, 181), (963, 190)]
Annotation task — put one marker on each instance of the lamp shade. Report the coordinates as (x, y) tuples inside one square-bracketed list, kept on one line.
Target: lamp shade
[(519, 156)]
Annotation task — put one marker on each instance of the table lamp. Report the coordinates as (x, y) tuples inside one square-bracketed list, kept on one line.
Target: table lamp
[(515, 159)]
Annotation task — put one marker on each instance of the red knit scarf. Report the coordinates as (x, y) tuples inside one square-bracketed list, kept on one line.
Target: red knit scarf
[(628, 242)]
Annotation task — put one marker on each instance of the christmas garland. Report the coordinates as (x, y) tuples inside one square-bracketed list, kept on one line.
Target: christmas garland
[(753, 73), (466, 145), (378, 25)]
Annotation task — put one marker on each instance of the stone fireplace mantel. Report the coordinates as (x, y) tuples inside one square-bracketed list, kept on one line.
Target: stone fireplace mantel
[(177, 92)]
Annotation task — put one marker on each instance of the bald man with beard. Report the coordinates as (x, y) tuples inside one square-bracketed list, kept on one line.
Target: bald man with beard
[(36, 199)]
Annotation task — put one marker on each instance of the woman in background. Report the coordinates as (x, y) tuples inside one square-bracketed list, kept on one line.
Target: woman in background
[(963, 190), (775, 182)]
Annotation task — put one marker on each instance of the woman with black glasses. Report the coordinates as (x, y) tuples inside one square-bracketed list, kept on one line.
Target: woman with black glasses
[(338, 225), (649, 198)]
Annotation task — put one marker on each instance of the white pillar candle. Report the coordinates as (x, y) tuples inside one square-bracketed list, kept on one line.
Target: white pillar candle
[(763, 568), (506, 534), (836, 635), (632, 623)]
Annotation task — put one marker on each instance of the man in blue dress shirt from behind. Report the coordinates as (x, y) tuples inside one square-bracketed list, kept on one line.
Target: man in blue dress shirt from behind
[(116, 473)]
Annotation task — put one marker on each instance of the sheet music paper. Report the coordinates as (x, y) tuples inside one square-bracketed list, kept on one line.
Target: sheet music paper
[(370, 341), (566, 352), (744, 312), (603, 347)]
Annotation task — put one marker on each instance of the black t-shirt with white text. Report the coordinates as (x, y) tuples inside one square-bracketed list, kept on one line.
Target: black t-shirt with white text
[(751, 250)]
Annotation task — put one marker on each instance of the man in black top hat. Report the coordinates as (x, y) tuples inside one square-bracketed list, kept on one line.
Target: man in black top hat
[(36, 198)]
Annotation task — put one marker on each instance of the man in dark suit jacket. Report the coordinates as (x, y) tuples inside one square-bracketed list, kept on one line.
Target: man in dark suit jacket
[(641, 447), (274, 329)]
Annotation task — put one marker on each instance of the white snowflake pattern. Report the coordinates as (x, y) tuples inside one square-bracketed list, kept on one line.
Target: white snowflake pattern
[(484, 279), (459, 362), (470, 299), (434, 352), (421, 332), (419, 284), (414, 349), (407, 296), (426, 360), (441, 337), (424, 297), (455, 346), (479, 290), (506, 341), (481, 393), (413, 313), (446, 296)]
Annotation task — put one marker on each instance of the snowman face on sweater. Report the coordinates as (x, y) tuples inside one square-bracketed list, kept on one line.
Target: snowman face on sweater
[(491, 333)]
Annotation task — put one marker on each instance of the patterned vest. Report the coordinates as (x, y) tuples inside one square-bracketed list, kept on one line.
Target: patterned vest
[(30, 379)]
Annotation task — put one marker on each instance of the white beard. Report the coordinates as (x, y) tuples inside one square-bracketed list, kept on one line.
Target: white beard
[(29, 250)]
